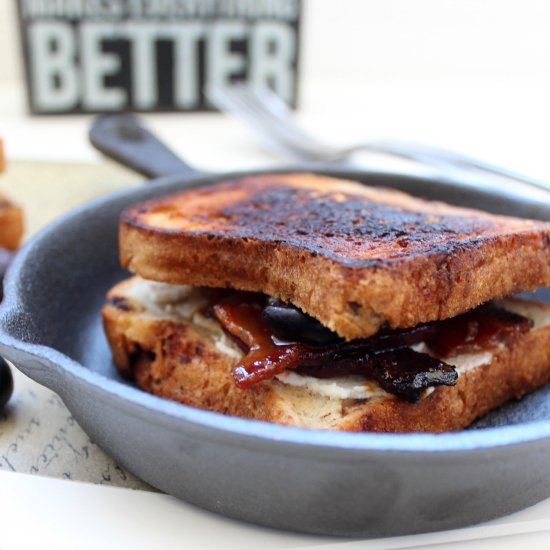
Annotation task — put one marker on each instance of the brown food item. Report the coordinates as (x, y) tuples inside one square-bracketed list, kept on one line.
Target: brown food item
[(263, 357), (355, 258), (11, 216), (483, 328), (396, 368), (11, 224), (181, 361)]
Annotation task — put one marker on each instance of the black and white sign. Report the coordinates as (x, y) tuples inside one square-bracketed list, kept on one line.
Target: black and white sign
[(154, 55)]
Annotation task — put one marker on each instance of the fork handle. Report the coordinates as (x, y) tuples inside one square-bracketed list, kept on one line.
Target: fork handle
[(439, 158)]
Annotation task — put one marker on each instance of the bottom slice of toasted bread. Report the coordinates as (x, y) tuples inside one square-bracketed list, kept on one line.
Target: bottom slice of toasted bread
[(191, 361)]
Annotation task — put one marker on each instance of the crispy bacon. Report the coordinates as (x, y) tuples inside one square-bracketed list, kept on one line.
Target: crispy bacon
[(399, 370), (482, 328), (264, 359), (385, 358)]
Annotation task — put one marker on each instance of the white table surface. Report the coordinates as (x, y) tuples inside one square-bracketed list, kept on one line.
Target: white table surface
[(68, 514), (474, 117)]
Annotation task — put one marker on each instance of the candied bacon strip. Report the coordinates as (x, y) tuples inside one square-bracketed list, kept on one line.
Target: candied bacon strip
[(482, 328), (258, 366), (401, 371), (385, 358), (243, 322), (264, 359), (407, 373)]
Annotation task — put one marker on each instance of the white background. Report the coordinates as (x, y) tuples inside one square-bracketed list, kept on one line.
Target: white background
[(396, 39), (466, 74)]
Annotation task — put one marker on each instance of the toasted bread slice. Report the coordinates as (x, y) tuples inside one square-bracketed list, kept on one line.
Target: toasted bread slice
[(351, 256), (191, 361)]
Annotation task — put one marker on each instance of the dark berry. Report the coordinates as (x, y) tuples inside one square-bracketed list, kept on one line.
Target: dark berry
[(6, 383)]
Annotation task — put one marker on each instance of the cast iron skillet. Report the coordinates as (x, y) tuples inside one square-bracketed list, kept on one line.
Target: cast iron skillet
[(309, 481)]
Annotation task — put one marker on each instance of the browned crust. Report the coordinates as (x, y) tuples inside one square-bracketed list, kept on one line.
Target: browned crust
[(452, 260), (180, 361), (514, 372)]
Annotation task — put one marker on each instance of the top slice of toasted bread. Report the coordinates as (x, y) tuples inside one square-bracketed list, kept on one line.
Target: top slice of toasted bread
[(354, 257)]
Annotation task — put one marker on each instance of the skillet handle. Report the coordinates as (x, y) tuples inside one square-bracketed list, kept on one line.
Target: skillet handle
[(123, 138)]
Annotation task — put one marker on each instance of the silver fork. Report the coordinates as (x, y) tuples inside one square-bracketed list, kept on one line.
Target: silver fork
[(271, 119)]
